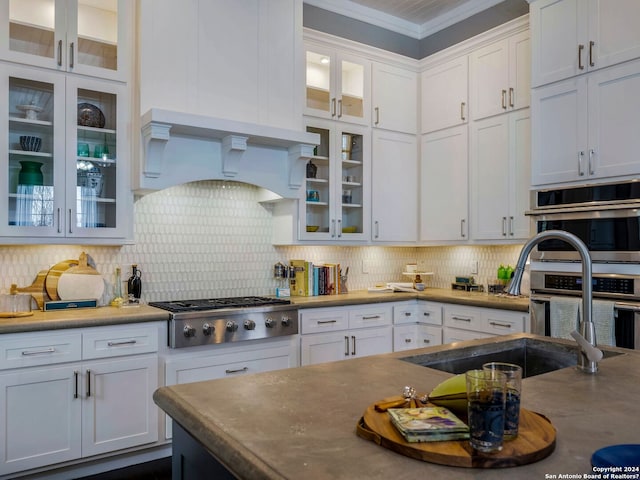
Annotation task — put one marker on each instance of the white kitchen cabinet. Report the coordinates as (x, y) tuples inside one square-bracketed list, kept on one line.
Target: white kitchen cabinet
[(500, 76), (416, 324), (443, 185), (444, 95), (394, 93), (462, 322), (584, 128), (86, 37), (56, 406), (394, 187), (572, 37), (338, 85), (499, 172), (339, 333), (335, 204), (73, 196), (221, 361)]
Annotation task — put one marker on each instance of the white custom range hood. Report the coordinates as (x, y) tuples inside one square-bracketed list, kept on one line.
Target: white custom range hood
[(181, 147)]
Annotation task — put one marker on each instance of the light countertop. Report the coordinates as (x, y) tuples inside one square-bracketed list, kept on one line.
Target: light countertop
[(93, 317), (300, 422)]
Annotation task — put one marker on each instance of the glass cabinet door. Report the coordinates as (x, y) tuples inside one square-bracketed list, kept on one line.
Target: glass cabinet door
[(320, 94), (337, 192), (94, 150), (32, 152), (94, 37), (84, 36), (33, 31), (351, 180), (319, 193)]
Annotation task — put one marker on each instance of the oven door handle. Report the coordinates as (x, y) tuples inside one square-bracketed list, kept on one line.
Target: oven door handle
[(539, 298)]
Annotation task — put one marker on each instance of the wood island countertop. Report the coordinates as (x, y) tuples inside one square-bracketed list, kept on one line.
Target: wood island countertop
[(300, 422)]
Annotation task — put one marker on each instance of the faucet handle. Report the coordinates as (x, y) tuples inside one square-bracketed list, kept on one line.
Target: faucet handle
[(594, 354)]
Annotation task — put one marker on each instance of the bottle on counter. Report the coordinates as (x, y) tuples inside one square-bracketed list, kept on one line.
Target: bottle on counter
[(134, 284), (118, 300)]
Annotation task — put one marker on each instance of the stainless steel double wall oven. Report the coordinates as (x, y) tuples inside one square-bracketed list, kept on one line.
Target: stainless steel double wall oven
[(606, 217)]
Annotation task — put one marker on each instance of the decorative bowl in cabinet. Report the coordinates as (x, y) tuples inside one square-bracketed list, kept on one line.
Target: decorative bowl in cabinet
[(29, 143), (312, 228), (349, 229), (90, 116)]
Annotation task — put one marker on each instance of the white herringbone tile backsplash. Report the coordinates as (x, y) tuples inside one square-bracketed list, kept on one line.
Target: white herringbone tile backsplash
[(213, 239)]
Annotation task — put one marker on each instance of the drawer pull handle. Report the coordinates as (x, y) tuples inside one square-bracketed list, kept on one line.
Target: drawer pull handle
[(407, 314), (346, 346), (322, 322), (237, 370), (38, 352), (370, 317), (88, 383), (426, 314), (407, 340), (353, 341), (498, 324), (118, 344), (463, 319), (426, 340), (75, 392)]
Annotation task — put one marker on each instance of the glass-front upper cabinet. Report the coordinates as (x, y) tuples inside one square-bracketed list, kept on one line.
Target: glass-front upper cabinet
[(337, 192), (83, 36), (63, 151), (337, 86)]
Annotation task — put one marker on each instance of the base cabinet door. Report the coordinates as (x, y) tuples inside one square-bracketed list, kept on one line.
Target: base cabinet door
[(118, 411), (41, 410), (324, 347)]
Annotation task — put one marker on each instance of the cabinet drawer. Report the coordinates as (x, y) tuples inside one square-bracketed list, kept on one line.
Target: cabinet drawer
[(463, 317), (430, 312), (370, 316), (323, 320), (428, 336), (502, 323), (450, 335), (105, 342), (405, 313), (28, 349)]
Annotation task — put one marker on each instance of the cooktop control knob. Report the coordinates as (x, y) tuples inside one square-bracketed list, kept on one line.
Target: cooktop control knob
[(270, 322), (207, 329), (189, 331), (249, 325), (232, 326), (286, 321)]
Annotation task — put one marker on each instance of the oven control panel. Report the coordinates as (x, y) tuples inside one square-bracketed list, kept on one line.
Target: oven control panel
[(606, 285)]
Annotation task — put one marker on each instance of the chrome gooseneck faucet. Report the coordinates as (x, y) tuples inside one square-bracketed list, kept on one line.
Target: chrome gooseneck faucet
[(587, 328)]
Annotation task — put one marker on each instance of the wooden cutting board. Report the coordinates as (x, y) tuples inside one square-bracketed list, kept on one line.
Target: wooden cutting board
[(536, 440), (53, 277), (81, 282)]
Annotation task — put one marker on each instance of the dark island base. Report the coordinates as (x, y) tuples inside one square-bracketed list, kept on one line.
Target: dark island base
[(191, 461)]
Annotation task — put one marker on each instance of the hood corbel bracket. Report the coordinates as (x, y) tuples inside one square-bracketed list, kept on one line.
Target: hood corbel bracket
[(232, 149), (155, 137), (299, 155)]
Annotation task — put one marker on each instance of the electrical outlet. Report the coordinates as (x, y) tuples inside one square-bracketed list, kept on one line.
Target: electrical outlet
[(365, 266), (474, 267)]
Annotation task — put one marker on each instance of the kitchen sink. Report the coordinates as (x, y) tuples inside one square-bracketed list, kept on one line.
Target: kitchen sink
[(534, 356)]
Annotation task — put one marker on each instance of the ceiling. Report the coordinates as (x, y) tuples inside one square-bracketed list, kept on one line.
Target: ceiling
[(414, 18)]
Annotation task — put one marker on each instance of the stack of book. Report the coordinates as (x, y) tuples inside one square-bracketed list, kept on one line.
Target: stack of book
[(312, 280), (428, 424)]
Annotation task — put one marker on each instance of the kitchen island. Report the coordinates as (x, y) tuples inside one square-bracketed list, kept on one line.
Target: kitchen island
[(300, 422)]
